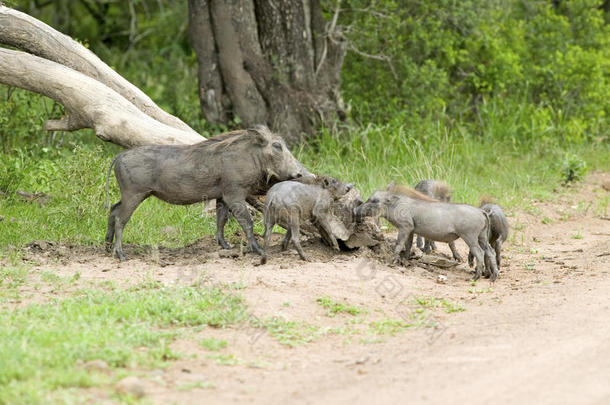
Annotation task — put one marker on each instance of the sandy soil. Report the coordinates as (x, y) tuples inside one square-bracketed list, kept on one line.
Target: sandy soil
[(539, 334)]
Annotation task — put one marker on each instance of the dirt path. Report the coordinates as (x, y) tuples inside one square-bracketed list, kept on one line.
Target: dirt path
[(540, 334)]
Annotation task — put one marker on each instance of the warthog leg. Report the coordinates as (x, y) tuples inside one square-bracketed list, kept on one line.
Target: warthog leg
[(286, 240), (295, 236), (403, 244), (114, 210), (222, 216), (477, 251), (454, 252), (498, 248), (239, 209), (491, 267), (269, 223), (125, 209)]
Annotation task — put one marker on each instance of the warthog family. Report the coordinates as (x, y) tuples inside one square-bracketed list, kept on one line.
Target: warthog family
[(292, 203), (228, 168), (235, 167), (414, 213)]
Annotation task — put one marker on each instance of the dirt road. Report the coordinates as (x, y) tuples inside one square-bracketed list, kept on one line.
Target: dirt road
[(539, 334)]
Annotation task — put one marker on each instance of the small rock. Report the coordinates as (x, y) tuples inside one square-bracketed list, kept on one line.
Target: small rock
[(283, 266), (157, 373), (438, 261), (96, 365), (228, 253), (441, 279), (131, 385)]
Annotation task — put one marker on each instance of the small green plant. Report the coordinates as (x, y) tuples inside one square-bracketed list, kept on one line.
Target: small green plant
[(389, 327), (372, 340), (289, 333), (226, 359), (197, 384), (573, 169), (577, 235), (530, 266), (547, 220), (335, 307), (213, 344), (480, 290), (432, 302), (601, 208)]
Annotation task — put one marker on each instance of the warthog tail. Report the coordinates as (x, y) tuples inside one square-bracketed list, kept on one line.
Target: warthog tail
[(487, 223), (107, 185)]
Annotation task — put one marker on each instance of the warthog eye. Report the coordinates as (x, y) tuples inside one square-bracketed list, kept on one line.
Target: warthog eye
[(277, 145)]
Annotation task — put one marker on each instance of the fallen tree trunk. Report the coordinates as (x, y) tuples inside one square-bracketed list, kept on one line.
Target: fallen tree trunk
[(93, 94), (88, 103), (24, 32)]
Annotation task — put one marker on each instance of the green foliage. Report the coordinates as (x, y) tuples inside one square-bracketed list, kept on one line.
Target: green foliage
[(451, 60), (573, 169)]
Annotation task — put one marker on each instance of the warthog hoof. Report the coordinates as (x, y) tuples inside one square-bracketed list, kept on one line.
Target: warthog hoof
[(120, 255)]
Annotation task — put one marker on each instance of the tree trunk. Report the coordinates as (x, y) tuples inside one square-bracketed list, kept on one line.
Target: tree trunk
[(94, 95), (264, 62)]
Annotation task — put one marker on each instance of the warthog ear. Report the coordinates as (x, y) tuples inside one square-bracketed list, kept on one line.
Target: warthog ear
[(393, 198), (261, 134), (391, 186)]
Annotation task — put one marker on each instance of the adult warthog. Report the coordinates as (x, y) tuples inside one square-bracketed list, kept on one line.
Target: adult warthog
[(227, 167)]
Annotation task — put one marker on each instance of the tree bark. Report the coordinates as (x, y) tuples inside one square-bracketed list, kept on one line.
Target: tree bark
[(94, 95), (265, 62)]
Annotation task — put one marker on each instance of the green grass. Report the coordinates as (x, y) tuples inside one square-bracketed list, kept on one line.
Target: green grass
[(335, 307), (226, 359), (43, 344), (514, 174), (289, 333), (11, 278), (389, 327), (432, 302), (196, 384), (213, 344)]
